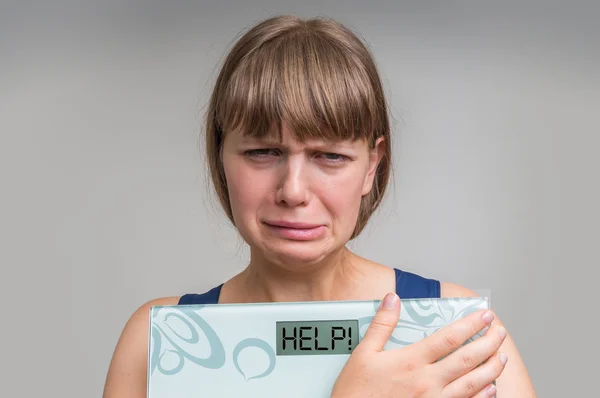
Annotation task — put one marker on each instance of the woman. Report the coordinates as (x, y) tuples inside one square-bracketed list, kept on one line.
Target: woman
[(299, 150)]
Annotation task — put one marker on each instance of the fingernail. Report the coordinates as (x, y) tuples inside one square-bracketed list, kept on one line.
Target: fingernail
[(488, 317), (491, 391), (503, 358), (389, 300), (502, 332)]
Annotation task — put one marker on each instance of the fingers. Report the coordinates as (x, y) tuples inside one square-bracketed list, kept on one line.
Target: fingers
[(383, 324), (471, 355), (451, 337), (477, 379), (487, 392)]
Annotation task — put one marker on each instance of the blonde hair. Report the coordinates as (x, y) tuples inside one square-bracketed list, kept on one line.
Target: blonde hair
[(314, 74)]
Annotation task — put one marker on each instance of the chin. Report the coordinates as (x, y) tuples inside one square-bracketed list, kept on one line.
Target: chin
[(296, 255)]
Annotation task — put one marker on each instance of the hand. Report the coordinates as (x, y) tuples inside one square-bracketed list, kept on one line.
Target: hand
[(416, 370)]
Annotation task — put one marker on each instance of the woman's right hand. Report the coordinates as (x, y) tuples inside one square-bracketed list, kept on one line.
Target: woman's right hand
[(416, 370)]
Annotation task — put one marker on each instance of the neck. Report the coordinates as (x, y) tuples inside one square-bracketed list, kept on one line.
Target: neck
[(334, 278)]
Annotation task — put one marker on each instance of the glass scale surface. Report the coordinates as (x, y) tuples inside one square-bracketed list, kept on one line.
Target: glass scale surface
[(276, 349)]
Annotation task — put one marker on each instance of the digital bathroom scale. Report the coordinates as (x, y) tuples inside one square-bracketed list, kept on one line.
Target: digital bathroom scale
[(287, 350)]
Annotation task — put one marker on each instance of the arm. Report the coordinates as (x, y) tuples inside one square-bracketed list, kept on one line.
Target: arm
[(514, 382), (127, 372)]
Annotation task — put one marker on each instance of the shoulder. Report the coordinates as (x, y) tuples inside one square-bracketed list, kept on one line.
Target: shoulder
[(209, 297), (515, 380), (140, 318), (448, 289), (410, 285), (127, 372)]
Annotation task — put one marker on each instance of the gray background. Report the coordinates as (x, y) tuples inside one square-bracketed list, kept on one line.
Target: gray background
[(105, 204)]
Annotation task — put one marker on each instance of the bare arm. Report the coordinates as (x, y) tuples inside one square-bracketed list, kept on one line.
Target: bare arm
[(127, 373), (514, 382)]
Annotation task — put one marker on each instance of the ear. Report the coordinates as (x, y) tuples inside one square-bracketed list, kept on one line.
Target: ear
[(375, 155)]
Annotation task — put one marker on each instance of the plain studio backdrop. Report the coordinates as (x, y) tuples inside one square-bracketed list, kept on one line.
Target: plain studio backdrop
[(105, 204)]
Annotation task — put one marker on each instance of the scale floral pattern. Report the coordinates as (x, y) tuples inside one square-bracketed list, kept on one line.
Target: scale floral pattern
[(195, 325), (418, 320)]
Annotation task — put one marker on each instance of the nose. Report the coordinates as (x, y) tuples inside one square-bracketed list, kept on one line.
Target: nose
[(293, 187)]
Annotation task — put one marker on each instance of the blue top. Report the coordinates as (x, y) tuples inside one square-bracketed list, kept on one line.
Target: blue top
[(408, 286)]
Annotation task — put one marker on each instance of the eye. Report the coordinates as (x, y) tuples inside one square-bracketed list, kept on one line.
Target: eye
[(334, 157), (260, 153)]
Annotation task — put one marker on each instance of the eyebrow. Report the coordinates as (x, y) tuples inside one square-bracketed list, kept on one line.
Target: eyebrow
[(257, 138), (260, 140), (318, 146)]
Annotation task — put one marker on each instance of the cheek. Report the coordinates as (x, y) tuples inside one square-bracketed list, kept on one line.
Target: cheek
[(246, 191), (342, 197)]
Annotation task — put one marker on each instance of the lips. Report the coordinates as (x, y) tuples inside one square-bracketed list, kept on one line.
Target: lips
[(297, 231), (292, 225)]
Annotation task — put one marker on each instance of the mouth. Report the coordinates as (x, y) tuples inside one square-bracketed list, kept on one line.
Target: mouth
[(299, 231), (292, 225)]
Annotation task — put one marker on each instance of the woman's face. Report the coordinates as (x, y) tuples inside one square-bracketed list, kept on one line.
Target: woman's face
[(295, 203)]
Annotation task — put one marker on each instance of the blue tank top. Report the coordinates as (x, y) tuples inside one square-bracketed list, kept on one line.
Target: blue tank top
[(408, 286)]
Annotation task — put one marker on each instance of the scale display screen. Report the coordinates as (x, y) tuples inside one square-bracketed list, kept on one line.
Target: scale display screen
[(316, 337)]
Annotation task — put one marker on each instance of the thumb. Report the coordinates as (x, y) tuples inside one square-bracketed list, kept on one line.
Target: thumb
[(383, 324)]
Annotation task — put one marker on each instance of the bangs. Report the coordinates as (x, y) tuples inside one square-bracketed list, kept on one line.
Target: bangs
[(319, 87)]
